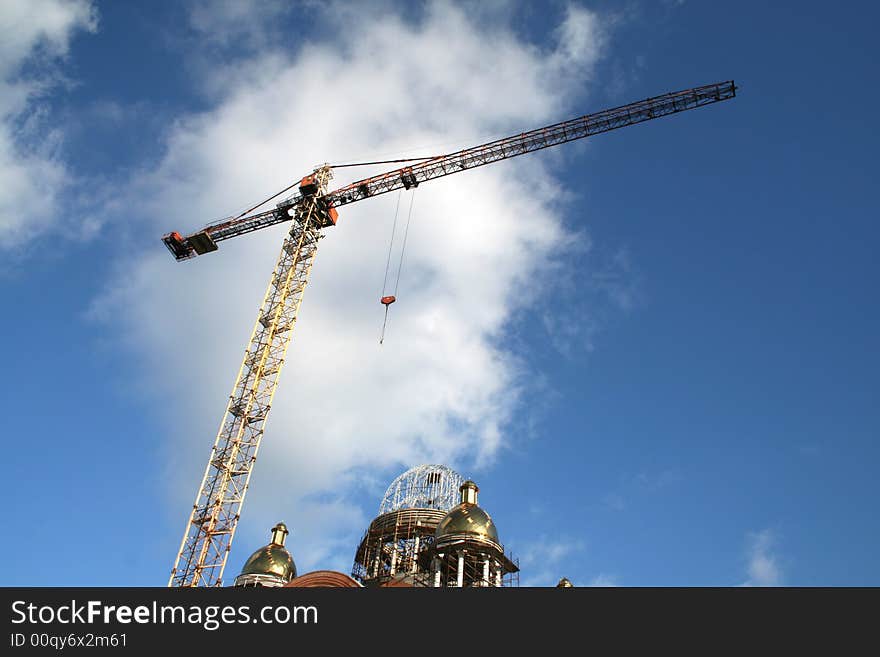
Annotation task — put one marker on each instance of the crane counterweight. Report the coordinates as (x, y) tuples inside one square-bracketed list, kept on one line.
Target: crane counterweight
[(177, 245)]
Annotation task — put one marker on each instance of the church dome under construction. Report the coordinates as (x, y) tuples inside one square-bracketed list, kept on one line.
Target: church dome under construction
[(416, 501), (423, 487), (430, 533)]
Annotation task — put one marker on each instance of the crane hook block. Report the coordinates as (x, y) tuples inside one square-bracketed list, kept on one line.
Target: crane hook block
[(387, 301)]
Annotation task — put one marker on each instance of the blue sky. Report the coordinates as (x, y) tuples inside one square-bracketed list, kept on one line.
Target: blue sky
[(656, 352)]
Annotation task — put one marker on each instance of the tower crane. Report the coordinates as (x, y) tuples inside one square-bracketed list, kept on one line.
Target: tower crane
[(210, 528)]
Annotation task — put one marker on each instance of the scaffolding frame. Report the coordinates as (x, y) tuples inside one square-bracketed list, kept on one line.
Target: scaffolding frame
[(466, 560), (392, 547), (423, 487)]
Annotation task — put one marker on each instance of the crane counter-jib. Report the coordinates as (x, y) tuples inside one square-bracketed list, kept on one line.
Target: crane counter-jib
[(407, 177)]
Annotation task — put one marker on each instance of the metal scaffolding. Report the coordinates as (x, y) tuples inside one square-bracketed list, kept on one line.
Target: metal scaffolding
[(391, 548), (469, 561), (423, 487)]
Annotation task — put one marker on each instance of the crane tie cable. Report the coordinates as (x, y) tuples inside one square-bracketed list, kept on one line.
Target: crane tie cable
[(405, 159), (340, 166), (267, 200)]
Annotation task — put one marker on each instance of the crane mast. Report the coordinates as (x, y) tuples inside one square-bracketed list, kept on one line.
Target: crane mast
[(210, 528), (215, 513)]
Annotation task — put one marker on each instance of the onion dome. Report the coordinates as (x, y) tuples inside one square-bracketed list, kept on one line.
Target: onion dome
[(467, 518), (271, 565)]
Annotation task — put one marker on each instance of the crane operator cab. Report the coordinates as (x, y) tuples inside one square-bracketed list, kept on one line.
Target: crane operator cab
[(327, 214)]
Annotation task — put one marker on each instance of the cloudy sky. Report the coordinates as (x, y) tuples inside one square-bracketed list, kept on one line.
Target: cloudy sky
[(655, 351)]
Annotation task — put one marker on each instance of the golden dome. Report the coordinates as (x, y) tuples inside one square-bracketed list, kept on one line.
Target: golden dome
[(467, 517), (273, 559)]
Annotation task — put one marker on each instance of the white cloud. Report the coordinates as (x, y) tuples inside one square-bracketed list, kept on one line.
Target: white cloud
[(45, 24), (237, 23), (443, 387), (635, 487), (608, 287), (763, 564), (542, 559), (581, 37), (604, 580), (34, 34)]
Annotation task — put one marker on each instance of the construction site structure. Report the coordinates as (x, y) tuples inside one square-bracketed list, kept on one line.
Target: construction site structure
[(391, 547), (412, 508), (466, 550), (214, 516), (419, 539)]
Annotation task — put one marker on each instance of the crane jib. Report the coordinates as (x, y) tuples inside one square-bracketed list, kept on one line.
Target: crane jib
[(411, 176), (528, 142)]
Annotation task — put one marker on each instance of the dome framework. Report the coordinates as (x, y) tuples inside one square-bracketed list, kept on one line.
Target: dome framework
[(423, 487), (414, 503)]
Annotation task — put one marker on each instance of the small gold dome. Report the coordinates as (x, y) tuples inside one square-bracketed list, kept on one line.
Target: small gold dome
[(273, 559), (467, 517)]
